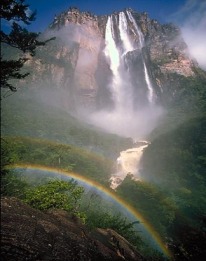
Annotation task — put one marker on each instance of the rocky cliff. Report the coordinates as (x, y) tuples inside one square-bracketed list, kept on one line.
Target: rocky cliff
[(29, 234), (77, 61)]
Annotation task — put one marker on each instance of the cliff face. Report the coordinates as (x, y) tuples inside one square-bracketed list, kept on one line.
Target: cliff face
[(29, 234), (78, 61)]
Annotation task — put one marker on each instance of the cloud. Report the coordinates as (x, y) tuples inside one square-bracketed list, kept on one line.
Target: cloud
[(192, 20), (7, 24)]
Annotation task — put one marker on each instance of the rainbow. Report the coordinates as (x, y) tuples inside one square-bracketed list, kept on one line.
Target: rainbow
[(154, 235)]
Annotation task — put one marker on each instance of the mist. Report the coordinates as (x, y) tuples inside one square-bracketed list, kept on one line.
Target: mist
[(136, 125), (192, 20), (134, 111)]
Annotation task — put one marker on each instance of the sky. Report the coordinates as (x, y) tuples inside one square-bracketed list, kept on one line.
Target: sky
[(190, 15), (161, 10)]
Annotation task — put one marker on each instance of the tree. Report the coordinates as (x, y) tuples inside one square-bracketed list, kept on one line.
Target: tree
[(16, 12), (56, 194)]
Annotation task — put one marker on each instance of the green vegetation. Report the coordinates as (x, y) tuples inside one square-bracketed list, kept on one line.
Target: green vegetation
[(176, 162), (183, 155), (104, 214), (54, 193), (14, 12), (12, 185), (22, 115), (39, 152), (190, 97), (172, 196), (151, 202), (47, 192)]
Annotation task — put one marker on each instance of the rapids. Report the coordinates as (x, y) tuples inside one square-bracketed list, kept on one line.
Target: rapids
[(128, 163)]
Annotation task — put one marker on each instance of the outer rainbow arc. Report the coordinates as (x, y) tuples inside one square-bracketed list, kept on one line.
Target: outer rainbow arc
[(154, 235)]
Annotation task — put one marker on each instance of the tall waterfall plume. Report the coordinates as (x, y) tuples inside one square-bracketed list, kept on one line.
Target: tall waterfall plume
[(123, 30), (120, 49), (141, 44)]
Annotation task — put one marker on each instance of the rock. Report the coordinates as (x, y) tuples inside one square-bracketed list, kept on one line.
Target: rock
[(75, 61), (29, 234)]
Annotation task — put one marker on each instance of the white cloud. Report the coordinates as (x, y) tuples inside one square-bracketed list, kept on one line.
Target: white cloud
[(192, 20)]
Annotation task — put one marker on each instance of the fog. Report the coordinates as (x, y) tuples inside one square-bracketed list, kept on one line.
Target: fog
[(134, 112), (127, 118), (137, 125), (192, 20), (123, 119)]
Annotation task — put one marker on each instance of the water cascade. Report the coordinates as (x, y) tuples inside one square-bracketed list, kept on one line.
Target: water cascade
[(128, 163), (120, 86), (141, 45), (129, 160), (112, 54), (123, 30), (124, 119), (127, 88)]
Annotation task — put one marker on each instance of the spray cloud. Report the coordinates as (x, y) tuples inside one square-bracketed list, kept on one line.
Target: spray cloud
[(125, 119), (192, 20)]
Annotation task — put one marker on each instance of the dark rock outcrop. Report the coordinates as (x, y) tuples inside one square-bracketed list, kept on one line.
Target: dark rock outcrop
[(29, 234)]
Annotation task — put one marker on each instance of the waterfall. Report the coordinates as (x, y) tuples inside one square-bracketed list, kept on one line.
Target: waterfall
[(113, 56), (128, 163), (150, 95), (111, 50), (120, 85), (125, 88), (124, 118), (123, 30), (149, 85)]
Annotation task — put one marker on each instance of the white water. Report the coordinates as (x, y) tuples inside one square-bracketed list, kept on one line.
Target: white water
[(127, 46), (123, 119), (141, 41), (149, 85), (112, 54), (117, 120), (127, 163)]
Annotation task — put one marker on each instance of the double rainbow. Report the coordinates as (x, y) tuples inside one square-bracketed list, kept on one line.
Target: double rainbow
[(151, 231)]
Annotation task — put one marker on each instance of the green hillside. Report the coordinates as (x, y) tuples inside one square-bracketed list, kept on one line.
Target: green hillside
[(22, 115)]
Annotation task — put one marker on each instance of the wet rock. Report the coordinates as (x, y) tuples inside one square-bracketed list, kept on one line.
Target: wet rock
[(29, 234)]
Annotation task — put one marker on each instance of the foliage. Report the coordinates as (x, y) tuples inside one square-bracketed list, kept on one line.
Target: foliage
[(116, 222), (191, 95), (11, 69), (103, 214), (187, 241), (69, 158), (17, 11), (55, 194), (38, 120), (182, 152), (157, 208), (176, 161), (52, 194), (12, 186), (67, 195)]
